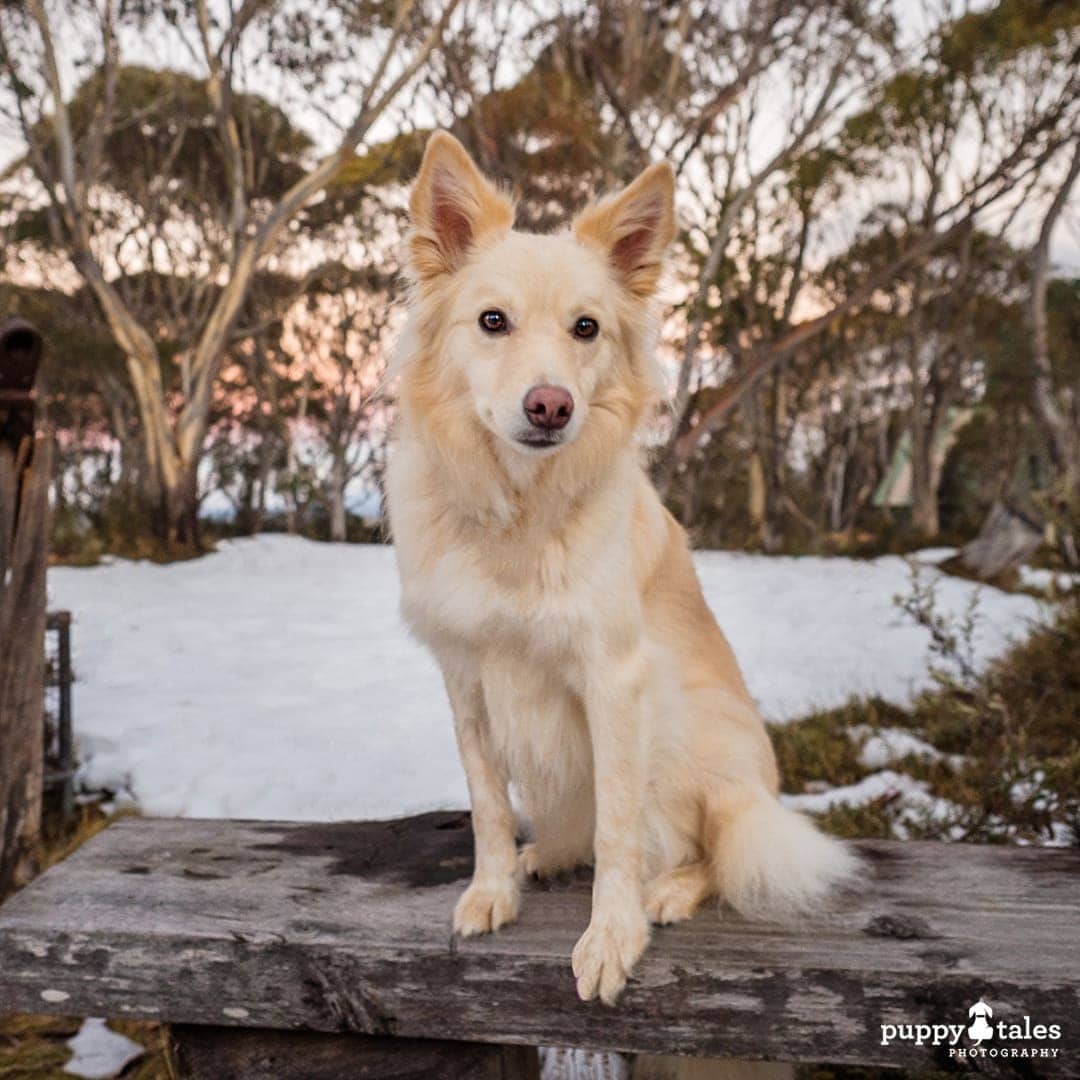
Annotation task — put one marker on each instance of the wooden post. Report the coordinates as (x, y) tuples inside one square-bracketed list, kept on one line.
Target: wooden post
[(25, 466)]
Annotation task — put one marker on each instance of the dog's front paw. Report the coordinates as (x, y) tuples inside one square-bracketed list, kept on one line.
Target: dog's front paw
[(606, 953), (485, 906)]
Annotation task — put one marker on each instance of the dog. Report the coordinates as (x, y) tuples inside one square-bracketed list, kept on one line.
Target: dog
[(557, 593)]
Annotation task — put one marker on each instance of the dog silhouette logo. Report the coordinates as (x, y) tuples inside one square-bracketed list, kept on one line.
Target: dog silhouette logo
[(980, 1029)]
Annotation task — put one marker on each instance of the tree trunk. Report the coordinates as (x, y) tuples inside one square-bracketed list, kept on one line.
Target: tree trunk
[(181, 510), (266, 461), (766, 479), (755, 491), (924, 495), (835, 480), (336, 494), (1054, 410), (924, 502), (24, 518)]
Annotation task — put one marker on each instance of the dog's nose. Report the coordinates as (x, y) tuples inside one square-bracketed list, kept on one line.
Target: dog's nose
[(548, 407)]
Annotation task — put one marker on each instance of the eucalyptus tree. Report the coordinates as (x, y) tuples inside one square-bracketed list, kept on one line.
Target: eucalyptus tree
[(341, 337), (1056, 396), (958, 139), (193, 174)]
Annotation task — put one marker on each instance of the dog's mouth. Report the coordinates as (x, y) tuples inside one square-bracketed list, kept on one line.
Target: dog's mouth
[(540, 440)]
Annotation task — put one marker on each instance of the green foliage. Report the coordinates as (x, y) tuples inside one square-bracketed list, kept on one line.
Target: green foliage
[(122, 524), (543, 135), (391, 162), (73, 331), (164, 138), (818, 750), (1002, 453), (985, 38), (1063, 316)]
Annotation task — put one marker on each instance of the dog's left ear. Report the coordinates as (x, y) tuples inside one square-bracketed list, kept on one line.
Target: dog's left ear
[(634, 228), (453, 207)]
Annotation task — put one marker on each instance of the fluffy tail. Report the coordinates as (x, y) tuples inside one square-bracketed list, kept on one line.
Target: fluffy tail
[(772, 863)]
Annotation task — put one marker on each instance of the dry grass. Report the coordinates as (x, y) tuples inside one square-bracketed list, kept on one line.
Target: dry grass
[(33, 1048)]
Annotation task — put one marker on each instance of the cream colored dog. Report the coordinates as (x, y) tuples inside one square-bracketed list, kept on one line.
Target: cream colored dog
[(556, 592)]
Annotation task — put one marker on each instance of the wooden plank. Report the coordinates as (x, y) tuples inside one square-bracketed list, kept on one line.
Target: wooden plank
[(346, 928), (224, 1053)]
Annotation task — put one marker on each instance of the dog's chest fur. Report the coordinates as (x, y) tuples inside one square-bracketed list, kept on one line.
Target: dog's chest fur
[(525, 607), (540, 586)]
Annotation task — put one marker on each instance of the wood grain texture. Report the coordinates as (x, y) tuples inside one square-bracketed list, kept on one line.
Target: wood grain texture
[(346, 928)]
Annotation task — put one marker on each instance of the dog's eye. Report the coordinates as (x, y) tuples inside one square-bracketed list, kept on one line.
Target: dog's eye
[(494, 321), (586, 329)]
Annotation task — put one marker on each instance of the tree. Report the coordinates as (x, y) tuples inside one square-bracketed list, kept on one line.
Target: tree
[(1056, 401), (343, 333), (1006, 78), (170, 124)]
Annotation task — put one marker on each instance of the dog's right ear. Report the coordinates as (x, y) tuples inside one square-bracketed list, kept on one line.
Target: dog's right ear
[(453, 207)]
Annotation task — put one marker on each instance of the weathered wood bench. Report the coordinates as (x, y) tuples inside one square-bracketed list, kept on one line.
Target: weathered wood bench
[(345, 928)]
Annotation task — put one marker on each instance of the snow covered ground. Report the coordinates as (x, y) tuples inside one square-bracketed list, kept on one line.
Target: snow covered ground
[(274, 678)]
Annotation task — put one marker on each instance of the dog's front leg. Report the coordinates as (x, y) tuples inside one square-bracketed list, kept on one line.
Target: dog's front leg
[(493, 897), (618, 930)]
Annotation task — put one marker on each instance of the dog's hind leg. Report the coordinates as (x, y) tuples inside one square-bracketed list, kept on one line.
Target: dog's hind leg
[(676, 894)]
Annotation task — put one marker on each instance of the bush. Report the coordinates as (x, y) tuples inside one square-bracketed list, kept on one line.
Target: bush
[(1009, 770)]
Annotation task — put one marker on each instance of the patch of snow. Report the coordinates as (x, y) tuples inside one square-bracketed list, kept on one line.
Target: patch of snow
[(274, 678), (1061, 835), (885, 745), (918, 802), (880, 785), (1033, 577), (811, 633), (98, 1053), (934, 556)]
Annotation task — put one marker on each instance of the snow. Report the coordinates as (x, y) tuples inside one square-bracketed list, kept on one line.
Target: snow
[(934, 556), (917, 801), (879, 785), (1032, 577), (99, 1053), (885, 745), (274, 679)]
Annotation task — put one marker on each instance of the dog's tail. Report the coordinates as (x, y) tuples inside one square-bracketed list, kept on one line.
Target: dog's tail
[(771, 862)]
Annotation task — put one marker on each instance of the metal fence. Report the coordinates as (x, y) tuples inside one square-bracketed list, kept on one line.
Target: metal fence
[(59, 744)]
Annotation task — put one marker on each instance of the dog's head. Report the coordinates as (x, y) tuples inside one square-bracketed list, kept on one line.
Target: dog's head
[(541, 339)]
